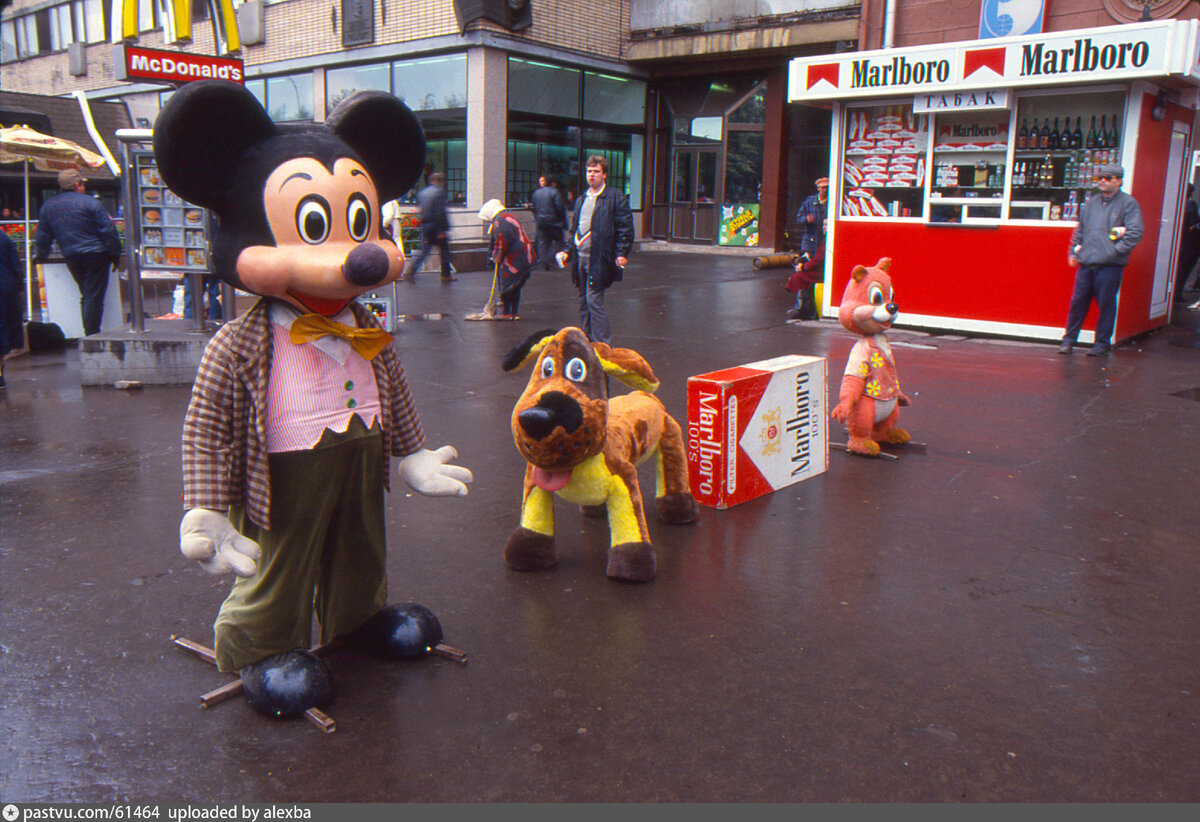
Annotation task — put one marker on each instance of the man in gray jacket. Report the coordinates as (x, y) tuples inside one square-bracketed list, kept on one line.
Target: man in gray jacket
[(1110, 225)]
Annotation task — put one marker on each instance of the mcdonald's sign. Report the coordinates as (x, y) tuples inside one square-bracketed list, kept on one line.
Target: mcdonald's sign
[(177, 22), (135, 62)]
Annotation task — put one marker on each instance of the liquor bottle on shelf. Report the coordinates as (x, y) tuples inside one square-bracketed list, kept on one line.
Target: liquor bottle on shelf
[(1044, 135), (1055, 137), (1048, 165), (1102, 134), (1114, 136), (1077, 134), (1090, 140), (1019, 175), (1023, 134)]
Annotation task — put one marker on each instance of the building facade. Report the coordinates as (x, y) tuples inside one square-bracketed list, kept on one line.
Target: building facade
[(685, 100), (688, 100)]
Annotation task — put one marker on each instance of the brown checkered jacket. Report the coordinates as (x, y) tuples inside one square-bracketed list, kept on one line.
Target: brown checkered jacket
[(224, 432)]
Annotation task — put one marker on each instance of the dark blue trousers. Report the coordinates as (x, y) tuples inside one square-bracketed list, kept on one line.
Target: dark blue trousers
[(1101, 282), (90, 272)]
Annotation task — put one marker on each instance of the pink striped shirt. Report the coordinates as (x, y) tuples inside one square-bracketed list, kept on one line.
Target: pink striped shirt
[(315, 386)]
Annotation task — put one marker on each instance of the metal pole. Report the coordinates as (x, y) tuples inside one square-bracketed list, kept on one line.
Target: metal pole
[(194, 283), (137, 314), (133, 242), (29, 253)]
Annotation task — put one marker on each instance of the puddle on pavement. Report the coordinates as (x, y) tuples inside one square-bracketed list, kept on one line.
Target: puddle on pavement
[(408, 318)]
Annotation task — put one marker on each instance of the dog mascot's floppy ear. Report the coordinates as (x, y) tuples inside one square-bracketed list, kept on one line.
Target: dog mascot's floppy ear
[(625, 364)]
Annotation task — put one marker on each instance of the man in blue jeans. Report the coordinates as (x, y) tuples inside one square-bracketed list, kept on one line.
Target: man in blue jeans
[(87, 239), (599, 247), (1110, 225)]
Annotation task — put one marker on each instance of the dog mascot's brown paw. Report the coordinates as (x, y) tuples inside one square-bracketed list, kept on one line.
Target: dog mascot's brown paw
[(631, 562), (677, 509), (528, 550)]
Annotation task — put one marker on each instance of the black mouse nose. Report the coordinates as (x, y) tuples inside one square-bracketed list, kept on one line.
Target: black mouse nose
[(553, 409), (366, 264), (891, 308)]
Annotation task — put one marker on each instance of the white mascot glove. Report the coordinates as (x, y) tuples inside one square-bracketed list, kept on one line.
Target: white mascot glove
[(426, 472), (209, 537)]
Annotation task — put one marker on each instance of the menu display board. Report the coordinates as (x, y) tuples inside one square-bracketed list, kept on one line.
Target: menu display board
[(172, 234)]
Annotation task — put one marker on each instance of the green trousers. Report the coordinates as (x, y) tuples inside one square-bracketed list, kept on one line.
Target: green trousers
[(323, 556)]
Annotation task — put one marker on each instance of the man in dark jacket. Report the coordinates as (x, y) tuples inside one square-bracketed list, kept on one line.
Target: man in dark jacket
[(599, 247), (87, 239), (1110, 225), (550, 215), (11, 279), (435, 228)]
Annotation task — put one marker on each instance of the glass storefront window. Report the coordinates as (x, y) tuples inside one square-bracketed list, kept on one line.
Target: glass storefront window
[(1061, 141), (523, 172), (743, 166), (883, 172), (257, 87), (753, 110), (618, 100), (342, 82), (683, 178), (541, 88), (290, 97), (616, 147), (431, 83)]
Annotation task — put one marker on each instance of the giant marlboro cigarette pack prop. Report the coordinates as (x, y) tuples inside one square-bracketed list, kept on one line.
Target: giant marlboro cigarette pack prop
[(756, 428)]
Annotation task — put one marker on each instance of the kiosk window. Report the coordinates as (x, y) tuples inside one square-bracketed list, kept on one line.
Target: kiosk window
[(883, 174), (1061, 142), (969, 152)]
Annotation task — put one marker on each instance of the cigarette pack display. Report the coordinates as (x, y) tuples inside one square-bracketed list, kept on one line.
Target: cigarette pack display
[(756, 428)]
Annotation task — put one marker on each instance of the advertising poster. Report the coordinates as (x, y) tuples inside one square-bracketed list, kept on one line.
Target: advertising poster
[(739, 224)]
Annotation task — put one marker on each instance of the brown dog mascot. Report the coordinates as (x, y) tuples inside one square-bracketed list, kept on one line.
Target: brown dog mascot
[(586, 448)]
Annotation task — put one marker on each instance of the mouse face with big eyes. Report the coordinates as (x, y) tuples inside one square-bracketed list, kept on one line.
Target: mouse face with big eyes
[(325, 227), (297, 206)]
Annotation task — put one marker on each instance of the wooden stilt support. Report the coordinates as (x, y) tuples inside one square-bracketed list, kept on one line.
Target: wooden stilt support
[(231, 689), (449, 652)]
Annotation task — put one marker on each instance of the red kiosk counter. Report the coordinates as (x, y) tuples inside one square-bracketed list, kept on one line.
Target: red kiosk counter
[(967, 162)]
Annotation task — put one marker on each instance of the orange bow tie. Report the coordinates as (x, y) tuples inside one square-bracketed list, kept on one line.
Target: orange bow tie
[(368, 342)]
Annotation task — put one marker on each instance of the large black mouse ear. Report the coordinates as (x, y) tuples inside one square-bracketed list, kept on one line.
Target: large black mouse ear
[(199, 135), (386, 135)]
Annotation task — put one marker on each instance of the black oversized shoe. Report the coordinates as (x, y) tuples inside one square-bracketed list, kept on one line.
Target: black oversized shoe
[(400, 631), (287, 684)]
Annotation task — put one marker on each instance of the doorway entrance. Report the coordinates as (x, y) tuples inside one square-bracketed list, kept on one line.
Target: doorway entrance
[(694, 194)]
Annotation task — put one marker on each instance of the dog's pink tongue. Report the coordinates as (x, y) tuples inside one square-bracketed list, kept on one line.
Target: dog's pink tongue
[(550, 480)]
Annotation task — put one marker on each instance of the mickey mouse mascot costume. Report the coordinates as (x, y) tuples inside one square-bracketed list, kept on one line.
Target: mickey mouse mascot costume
[(299, 403)]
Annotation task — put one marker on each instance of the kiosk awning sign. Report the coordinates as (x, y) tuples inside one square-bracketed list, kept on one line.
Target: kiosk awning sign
[(1155, 49)]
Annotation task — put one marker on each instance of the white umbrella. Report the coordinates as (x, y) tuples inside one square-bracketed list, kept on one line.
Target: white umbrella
[(22, 144)]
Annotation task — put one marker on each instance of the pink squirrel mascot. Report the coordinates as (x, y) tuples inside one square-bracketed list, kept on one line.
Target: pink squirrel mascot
[(870, 397), (299, 403)]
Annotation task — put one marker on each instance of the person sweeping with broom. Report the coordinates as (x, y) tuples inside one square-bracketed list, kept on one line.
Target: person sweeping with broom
[(512, 255)]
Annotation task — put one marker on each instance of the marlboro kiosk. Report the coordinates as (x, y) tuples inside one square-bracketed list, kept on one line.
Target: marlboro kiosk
[(967, 163)]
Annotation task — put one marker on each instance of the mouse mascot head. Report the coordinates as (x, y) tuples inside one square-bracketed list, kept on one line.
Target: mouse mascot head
[(297, 205), (300, 401)]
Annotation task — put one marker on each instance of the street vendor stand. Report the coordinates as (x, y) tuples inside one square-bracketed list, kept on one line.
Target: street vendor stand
[(967, 163)]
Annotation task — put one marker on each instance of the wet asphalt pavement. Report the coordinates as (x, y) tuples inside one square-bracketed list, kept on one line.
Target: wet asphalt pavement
[(1011, 614)]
